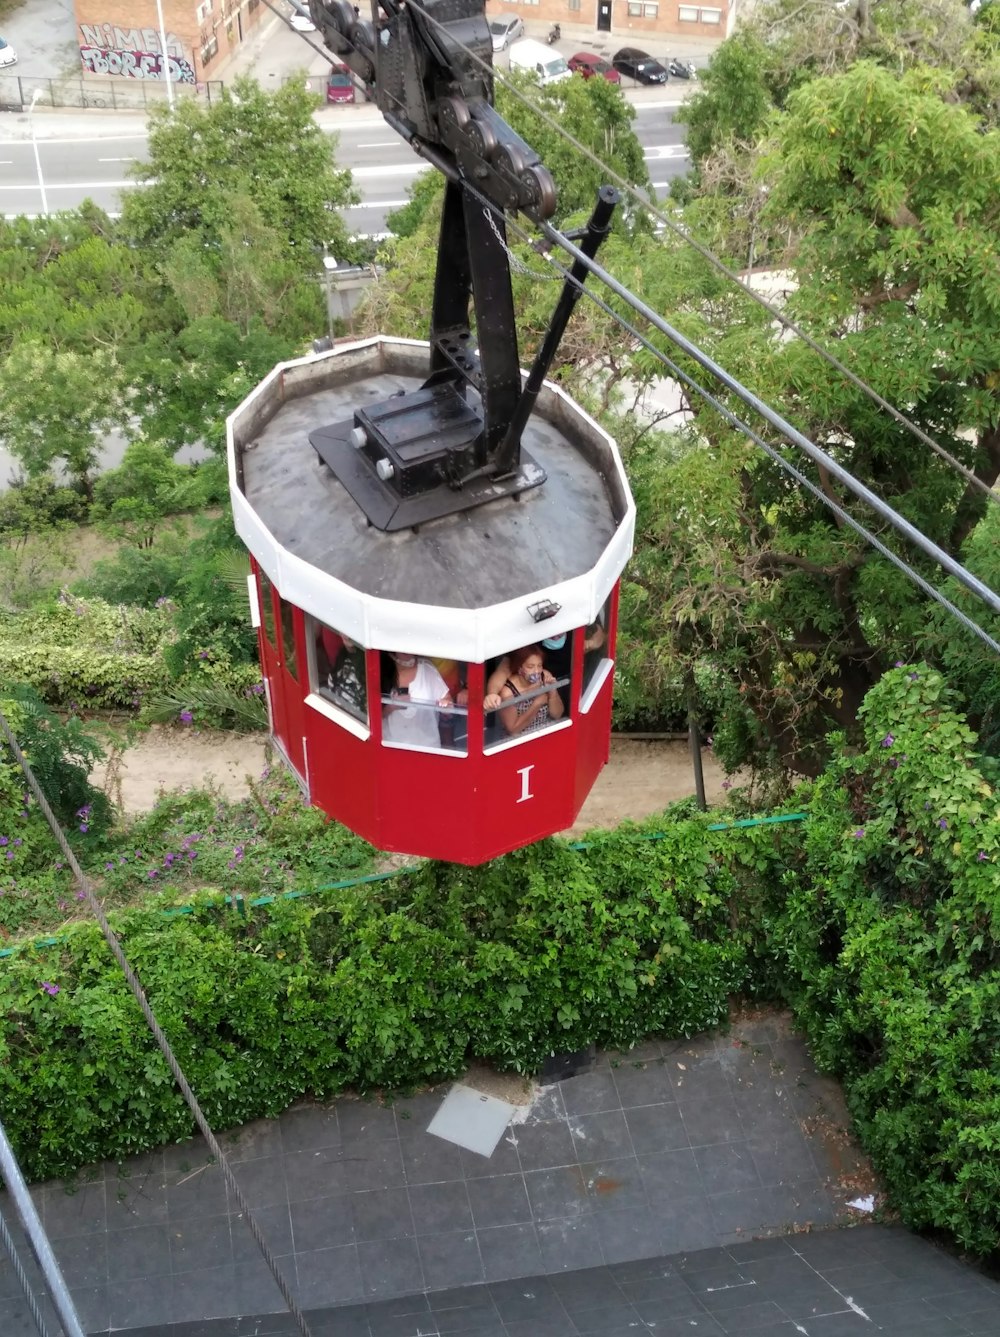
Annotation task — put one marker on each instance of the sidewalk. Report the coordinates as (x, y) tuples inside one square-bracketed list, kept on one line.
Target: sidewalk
[(668, 1150)]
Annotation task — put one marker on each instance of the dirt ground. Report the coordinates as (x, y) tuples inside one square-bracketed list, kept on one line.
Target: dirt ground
[(641, 778)]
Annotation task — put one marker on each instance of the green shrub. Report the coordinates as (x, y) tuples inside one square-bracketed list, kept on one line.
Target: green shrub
[(888, 942), (390, 984)]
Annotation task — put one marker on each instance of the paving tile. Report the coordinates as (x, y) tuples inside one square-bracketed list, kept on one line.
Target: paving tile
[(390, 1267), (430, 1160), (664, 1323), (500, 1200), (641, 1084), (319, 1173), (440, 1207), (585, 1288), (553, 1325), (570, 1243), (143, 1301), (373, 1165), (199, 1243), (727, 1167), (179, 1158), (670, 1289), (139, 1199), (656, 1128), (627, 1234), (197, 1192), (839, 1325), (750, 1210), (450, 1259), (261, 1181), (526, 1300), (711, 1119), (320, 1223), (256, 1290), (503, 1161), (540, 1146), (274, 1224), (685, 1223), (329, 1276), (590, 1093), (557, 1193), (481, 1319), (783, 1157), (309, 1128), (601, 1136), (74, 1211), (141, 1251), (262, 1137), (208, 1292), (382, 1214), (982, 1322), (750, 1317), (602, 1319), (365, 1121), (510, 1251), (83, 1259), (416, 1112), (670, 1174), (93, 1308)]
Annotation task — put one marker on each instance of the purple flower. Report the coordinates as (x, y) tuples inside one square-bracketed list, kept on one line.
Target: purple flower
[(727, 784), (18, 841), (50, 989), (943, 824), (3, 840), (186, 717), (168, 859), (860, 833), (84, 827), (888, 740), (982, 856), (153, 872), (202, 654), (899, 664), (10, 854), (913, 676), (109, 865), (81, 895)]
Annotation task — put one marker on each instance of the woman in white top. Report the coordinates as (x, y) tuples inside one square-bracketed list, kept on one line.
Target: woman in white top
[(417, 686)]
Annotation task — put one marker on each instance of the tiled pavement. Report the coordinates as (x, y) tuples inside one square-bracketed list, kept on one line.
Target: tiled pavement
[(669, 1150)]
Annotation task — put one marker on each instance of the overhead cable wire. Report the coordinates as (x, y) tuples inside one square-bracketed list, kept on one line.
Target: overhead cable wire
[(139, 994), (916, 536), (775, 312), (62, 1301), (30, 1297)]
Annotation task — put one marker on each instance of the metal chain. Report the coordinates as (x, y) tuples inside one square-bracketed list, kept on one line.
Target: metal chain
[(515, 263)]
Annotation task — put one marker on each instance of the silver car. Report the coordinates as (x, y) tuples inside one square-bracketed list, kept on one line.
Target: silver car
[(8, 56), (504, 29)]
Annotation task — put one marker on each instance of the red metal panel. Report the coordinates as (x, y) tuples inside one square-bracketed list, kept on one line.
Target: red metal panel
[(342, 774)]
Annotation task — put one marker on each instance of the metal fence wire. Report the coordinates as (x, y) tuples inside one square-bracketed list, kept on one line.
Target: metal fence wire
[(16, 93)]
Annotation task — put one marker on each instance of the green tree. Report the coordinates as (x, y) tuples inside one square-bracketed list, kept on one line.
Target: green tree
[(248, 144), (886, 188), (58, 406)]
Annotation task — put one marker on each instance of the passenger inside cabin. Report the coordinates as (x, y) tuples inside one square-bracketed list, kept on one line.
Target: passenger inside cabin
[(529, 699), (341, 664), (413, 694)]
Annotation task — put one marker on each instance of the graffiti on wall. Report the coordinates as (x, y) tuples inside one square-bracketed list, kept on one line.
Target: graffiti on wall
[(133, 53)]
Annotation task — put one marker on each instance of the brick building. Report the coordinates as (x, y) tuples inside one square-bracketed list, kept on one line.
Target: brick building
[(628, 22), (122, 37)]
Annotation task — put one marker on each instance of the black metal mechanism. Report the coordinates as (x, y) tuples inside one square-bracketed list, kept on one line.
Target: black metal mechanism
[(456, 442)]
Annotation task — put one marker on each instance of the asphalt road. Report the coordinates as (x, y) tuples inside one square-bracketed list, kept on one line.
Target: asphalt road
[(73, 169)]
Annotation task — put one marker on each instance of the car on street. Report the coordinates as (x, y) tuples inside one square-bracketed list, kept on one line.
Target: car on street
[(681, 69), (504, 29), (302, 23), (8, 56), (589, 64), (339, 84), (639, 65)]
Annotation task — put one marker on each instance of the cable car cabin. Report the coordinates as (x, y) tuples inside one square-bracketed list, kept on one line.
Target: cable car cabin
[(384, 646)]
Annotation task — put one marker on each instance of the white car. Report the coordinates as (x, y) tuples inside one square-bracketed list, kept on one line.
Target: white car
[(8, 56), (504, 29), (302, 23)]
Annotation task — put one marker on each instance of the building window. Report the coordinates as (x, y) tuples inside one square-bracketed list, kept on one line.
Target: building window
[(573, 4), (711, 15), (203, 10), (267, 610), (528, 690), (635, 9), (650, 11), (210, 49), (288, 638), (688, 14)]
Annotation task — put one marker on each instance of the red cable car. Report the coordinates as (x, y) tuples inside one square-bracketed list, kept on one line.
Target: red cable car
[(436, 538), (335, 598)]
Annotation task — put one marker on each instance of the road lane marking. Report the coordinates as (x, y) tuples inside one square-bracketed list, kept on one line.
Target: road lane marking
[(378, 204), (401, 170), (78, 185), (116, 160), (381, 144)]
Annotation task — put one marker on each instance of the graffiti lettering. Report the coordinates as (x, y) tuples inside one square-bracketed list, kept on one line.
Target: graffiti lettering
[(135, 64), (109, 38)]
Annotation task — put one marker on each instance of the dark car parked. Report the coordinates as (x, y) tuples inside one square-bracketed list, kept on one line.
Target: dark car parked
[(588, 64), (639, 65)]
